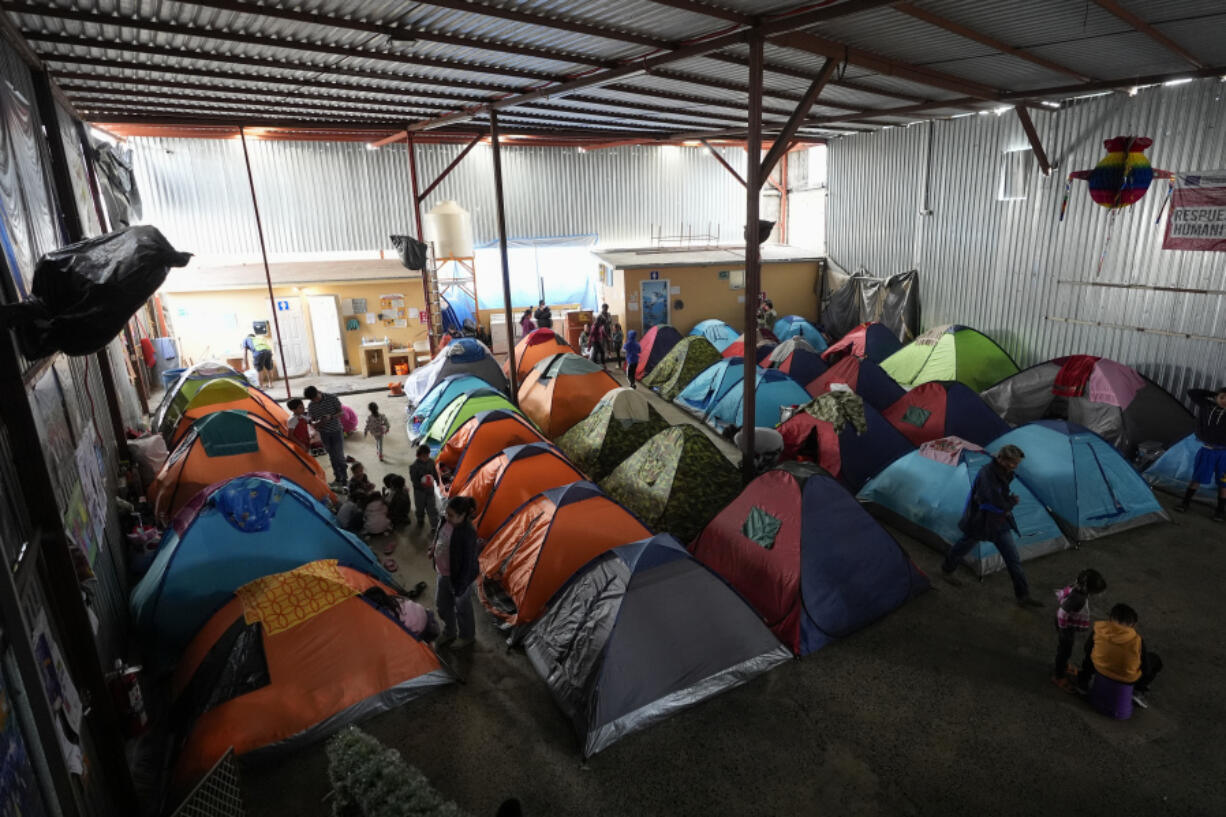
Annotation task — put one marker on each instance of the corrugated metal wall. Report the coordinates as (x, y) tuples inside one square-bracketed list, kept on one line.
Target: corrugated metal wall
[(339, 196), (1010, 268)]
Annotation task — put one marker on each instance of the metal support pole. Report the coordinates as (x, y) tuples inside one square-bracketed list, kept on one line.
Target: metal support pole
[(753, 257), (433, 333), (259, 227), (502, 250)]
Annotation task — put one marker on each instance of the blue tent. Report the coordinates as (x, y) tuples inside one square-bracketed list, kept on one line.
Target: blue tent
[(248, 527), (438, 398), (705, 390), (807, 557), (1173, 471), (772, 391), (460, 356), (794, 326), (719, 333), (926, 497), (1085, 483)]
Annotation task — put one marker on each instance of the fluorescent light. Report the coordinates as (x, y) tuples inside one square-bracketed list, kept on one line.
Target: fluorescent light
[(581, 149), (1050, 104), (1002, 109), (1182, 81), (371, 146)]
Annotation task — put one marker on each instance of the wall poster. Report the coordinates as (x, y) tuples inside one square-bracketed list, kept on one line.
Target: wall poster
[(655, 303)]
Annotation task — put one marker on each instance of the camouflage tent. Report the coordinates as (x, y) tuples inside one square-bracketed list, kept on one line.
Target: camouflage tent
[(676, 483), (682, 364), (611, 433)]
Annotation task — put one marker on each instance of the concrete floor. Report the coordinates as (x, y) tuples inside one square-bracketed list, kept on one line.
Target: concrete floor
[(943, 708)]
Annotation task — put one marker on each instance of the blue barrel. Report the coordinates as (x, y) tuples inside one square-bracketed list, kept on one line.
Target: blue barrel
[(170, 377)]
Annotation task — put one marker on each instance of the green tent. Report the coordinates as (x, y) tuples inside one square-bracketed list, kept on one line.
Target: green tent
[(459, 411), (682, 364), (621, 422), (951, 353), (174, 401), (676, 483)]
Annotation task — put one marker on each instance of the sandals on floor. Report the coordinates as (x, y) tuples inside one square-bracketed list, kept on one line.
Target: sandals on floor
[(390, 565), (389, 548), (417, 590)]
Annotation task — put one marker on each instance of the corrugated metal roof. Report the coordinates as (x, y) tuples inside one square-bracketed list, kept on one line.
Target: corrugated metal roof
[(510, 47)]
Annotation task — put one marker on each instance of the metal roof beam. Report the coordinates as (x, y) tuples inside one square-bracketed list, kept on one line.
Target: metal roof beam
[(800, 73), (1032, 135), (918, 13), (1150, 31), (548, 22), (794, 121), (709, 11), (803, 41), (781, 25), (101, 19)]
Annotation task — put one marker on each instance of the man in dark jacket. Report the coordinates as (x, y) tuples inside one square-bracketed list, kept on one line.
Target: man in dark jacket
[(1210, 464), (989, 518), (543, 315)]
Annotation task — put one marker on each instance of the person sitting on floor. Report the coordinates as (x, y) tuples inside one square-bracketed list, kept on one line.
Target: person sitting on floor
[(396, 495), (1115, 650)]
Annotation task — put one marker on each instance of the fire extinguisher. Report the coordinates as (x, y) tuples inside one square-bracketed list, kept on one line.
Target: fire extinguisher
[(125, 690)]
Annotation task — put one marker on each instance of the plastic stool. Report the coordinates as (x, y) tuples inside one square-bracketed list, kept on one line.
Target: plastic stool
[(1111, 698)]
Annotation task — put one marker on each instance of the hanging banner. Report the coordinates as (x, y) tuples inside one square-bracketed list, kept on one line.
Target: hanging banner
[(1198, 213)]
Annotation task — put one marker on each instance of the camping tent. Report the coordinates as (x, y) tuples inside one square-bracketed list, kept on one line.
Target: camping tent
[(292, 658), (222, 394), (944, 409), (458, 412), (227, 444), (1116, 402), (785, 349), (533, 348), (772, 391), (800, 364), (623, 421), (464, 356), (951, 353), (436, 401), (1173, 471), (482, 436), (229, 534), (1085, 483), (657, 342), (848, 451), (718, 333), (510, 478), (539, 546), (691, 356), (924, 493), (794, 326), (675, 482), (765, 345), (870, 340), (711, 384), (807, 557), (562, 390), (176, 398), (864, 377), (640, 633)]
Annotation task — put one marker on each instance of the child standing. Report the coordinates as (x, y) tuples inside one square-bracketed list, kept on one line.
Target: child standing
[(632, 350), (1115, 650), (423, 473), (1210, 465), (300, 429), (584, 341), (359, 483), (600, 340), (616, 339), (526, 324), (1072, 617), (377, 424), (454, 554)]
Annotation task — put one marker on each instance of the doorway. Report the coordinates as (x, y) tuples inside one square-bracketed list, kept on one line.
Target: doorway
[(294, 341), (326, 328)]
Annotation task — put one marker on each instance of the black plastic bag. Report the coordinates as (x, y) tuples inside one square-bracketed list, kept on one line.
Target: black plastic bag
[(84, 293), (412, 252)]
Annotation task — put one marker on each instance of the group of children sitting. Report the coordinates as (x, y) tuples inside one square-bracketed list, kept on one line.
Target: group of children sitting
[(1113, 650)]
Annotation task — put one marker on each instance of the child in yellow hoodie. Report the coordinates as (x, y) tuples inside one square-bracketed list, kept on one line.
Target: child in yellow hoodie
[(1115, 650)]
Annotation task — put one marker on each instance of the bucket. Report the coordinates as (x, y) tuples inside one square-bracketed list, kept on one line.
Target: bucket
[(171, 376), (401, 368), (767, 446)]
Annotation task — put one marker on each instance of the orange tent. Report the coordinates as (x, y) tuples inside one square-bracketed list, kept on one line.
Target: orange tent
[(563, 390), (307, 652), (547, 539), (533, 348), (512, 477), (227, 444), (481, 437), (219, 395)]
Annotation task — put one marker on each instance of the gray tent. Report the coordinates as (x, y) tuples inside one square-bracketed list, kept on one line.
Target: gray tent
[(462, 356), (643, 631)]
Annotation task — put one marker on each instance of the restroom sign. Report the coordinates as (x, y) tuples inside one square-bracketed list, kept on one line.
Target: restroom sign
[(283, 306), (655, 275)]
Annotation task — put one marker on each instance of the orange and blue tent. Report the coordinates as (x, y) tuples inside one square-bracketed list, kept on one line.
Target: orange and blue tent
[(482, 436), (533, 348), (223, 394), (562, 390), (511, 477)]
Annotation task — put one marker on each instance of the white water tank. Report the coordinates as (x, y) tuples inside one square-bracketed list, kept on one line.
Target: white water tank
[(450, 228)]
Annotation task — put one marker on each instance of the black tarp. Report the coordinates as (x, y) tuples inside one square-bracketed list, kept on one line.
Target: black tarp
[(849, 300), (116, 183), (412, 252), (84, 293)]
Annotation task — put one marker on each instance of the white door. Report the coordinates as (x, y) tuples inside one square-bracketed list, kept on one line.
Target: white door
[(326, 326), (293, 337)]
